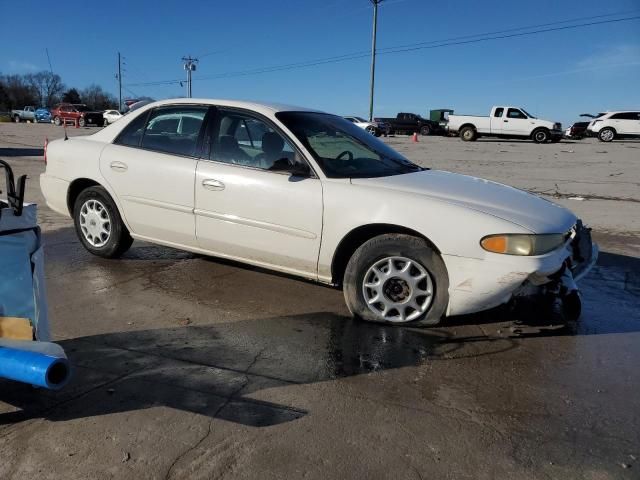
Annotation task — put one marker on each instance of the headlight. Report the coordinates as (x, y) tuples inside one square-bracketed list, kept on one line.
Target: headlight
[(522, 244)]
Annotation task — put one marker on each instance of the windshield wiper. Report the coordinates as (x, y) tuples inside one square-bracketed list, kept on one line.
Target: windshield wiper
[(409, 165)]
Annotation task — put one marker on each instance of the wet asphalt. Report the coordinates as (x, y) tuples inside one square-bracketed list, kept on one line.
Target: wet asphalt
[(189, 367), (193, 367)]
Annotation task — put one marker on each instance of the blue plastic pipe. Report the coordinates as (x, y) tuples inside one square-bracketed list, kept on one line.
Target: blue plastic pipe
[(34, 368)]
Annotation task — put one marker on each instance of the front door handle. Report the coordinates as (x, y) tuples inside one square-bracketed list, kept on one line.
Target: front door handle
[(212, 184), (505, 121), (119, 166)]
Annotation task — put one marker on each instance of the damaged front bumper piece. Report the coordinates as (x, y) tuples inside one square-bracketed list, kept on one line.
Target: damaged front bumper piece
[(558, 293)]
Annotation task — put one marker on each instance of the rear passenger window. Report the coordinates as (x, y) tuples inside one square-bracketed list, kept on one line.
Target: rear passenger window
[(625, 116), (132, 133), (174, 130)]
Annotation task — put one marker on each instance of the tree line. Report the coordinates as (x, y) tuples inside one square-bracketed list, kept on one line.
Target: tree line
[(46, 89)]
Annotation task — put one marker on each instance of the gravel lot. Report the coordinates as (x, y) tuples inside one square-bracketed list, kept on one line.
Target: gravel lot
[(190, 367)]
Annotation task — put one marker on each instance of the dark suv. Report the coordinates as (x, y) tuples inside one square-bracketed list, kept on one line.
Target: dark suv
[(72, 112)]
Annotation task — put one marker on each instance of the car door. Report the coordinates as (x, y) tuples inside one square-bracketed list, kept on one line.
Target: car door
[(625, 123), (516, 123), (496, 121), (244, 209), (151, 168), (635, 123)]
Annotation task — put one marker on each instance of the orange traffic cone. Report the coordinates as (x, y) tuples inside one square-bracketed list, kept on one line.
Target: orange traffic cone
[(414, 139)]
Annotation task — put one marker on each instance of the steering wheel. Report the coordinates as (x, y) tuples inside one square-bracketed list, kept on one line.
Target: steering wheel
[(346, 152)]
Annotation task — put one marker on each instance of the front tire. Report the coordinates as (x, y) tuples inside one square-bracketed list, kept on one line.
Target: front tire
[(81, 122), (56, 121), (606, 135), (396, 279), (540, 136), (99, 225), (16, 119)]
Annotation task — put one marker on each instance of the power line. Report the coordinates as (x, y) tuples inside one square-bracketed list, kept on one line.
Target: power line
[(408, 47)]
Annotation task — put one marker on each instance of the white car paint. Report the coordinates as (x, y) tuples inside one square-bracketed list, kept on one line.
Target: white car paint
[(625, 123), (111, 116), (501, 122), (264, 218)]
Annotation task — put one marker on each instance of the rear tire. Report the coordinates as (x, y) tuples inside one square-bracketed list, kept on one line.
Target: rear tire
[(468, 134), (99, 225), (81, 122), (607, 135), (369, 276)]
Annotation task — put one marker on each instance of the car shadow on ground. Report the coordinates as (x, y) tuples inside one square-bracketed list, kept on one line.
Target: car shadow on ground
[(216, 370), (21, 152)]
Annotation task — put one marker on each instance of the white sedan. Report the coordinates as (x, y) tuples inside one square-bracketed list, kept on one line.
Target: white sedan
[(111, 116), (372, 127), (311, 194)]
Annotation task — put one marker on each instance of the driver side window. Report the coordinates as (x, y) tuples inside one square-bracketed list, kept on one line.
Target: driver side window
[(248, 141), (515, 113)]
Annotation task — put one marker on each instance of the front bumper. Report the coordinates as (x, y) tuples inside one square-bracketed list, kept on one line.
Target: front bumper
[(557, 133), (481, 284)]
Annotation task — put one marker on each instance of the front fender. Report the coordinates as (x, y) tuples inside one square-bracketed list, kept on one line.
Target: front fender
[(453, 229)]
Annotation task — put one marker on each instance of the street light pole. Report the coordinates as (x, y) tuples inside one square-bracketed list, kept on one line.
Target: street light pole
[(373, 55)]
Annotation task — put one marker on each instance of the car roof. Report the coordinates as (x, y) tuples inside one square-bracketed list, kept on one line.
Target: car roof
[(260, 107)]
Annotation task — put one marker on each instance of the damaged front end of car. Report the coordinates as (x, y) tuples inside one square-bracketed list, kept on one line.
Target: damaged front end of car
[(556, 294)]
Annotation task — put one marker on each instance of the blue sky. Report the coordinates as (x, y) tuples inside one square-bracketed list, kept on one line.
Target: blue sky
[(556, 75)]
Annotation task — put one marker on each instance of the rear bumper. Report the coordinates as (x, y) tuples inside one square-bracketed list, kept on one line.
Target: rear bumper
[(55, 193)]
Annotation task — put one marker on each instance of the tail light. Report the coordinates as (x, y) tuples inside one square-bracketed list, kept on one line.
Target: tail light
[(46, 144)]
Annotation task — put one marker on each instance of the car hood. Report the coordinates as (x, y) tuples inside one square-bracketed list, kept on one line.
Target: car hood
[(508, 203)]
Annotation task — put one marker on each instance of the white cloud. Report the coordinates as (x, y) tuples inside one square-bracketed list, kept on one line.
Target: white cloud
[(611, 57), (22, 67)]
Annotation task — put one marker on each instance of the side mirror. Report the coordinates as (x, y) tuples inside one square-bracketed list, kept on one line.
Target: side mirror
[(297, 169)]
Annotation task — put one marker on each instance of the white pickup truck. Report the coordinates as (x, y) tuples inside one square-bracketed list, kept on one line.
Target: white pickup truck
[(505, 122)]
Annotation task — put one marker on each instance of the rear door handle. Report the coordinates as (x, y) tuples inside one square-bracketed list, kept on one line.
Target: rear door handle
[(119, 166), (212, 184)]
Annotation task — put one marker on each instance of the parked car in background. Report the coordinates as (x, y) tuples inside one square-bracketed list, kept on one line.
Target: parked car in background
[(311, 194), (72, 112), (440, 115), (42, 115), (579, 129), (505, 122), (372, 127), (615, 125), (111, 116), (410, 123), (26, 114)]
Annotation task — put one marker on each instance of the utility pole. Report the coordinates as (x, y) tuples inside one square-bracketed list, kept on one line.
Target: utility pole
[(189, 66), (119, 83), (373, 55)]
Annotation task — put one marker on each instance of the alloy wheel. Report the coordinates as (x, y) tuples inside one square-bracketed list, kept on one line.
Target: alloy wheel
[(95, 223), (397, 289)]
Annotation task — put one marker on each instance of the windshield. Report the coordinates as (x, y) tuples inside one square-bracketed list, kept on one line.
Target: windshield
[(360, 119), (527, 113), (344, 150)]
